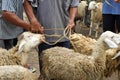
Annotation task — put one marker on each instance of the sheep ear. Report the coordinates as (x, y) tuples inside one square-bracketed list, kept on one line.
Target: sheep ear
[(37, 49), (22, 43), (20, 37), (117, 55), (110, 43)]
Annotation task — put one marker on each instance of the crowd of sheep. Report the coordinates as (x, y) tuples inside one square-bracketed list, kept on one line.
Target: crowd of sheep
[(95, 16)]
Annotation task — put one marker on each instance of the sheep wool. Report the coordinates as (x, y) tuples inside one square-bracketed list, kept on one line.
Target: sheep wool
[(82, 44)]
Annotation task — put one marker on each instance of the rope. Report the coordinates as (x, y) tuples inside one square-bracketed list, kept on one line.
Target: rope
[(66, 32)]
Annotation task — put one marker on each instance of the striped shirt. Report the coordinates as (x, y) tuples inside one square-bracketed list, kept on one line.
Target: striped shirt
[(54, 15), (7, 30)]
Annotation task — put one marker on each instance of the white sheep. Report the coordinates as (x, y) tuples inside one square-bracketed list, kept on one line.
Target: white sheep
[(18, 55), (96, 16), (81, 12), (85, 45), (16, 72), (64, 64)]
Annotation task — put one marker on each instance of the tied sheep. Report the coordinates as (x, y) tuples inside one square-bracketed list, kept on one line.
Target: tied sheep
[(16, 72), (18, 55), (60, 63), (85, 45), (96, 16)]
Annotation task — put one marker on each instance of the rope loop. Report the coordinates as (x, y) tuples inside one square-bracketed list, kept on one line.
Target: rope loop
[(66, 34)]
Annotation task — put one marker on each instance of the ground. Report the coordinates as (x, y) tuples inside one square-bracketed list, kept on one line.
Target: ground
[(33, 57)]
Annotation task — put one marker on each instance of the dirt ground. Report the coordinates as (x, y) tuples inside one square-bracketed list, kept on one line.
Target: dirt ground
[(33, 57)]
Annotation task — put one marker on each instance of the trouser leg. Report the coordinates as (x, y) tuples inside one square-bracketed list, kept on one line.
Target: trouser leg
[(109, 22), (8, 43), (2, 44), (118, 22)]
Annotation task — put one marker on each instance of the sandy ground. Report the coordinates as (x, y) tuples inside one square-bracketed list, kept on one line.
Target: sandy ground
[(33, 57)]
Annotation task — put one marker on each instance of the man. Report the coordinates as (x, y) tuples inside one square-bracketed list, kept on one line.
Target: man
[(11, 22), (111, 15), (54, 16)]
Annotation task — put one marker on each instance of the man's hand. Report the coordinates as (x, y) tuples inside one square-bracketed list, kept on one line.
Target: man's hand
[(71, 24), (36, 27), (117, 0)]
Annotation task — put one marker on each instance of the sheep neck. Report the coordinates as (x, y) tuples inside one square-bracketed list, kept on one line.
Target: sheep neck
[(99, 52), (23, 55), (13, 50)]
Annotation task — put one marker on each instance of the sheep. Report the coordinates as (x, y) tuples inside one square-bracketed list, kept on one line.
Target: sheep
[(81, 12), (96, 16), (59, 63), (85, 45), (18, 55), (16, 72)]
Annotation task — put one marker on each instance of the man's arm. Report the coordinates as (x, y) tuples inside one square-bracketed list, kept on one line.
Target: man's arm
[(72, 12), (8, 13), (35, 25), (14, 19)]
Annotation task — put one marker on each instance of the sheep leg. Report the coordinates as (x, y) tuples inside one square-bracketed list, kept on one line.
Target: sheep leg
[(97, 27), (101, 77), (83, 22), (118, 75), (41, 77), (79, 22), (90, 30)]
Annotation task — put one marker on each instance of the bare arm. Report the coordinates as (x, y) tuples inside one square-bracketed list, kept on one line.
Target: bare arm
[(73, 11), (15, 20)]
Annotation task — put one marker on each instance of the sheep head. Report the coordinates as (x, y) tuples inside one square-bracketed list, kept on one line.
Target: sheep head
[(111, 39), (84, 2), (28, 41), (92, 5)]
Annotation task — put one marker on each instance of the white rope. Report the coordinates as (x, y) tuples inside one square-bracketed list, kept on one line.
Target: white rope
[(66, 32)]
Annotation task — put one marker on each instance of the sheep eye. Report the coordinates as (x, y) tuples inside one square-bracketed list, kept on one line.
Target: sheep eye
[(29, 36), (112, 37)]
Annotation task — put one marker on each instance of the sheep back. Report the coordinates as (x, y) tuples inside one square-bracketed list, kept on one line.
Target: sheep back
[(82, 44), (8, 58), (15, 72)]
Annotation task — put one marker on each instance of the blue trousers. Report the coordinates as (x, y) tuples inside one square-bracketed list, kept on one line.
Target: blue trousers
[(44, 46), (111, 22), (7, 43)]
